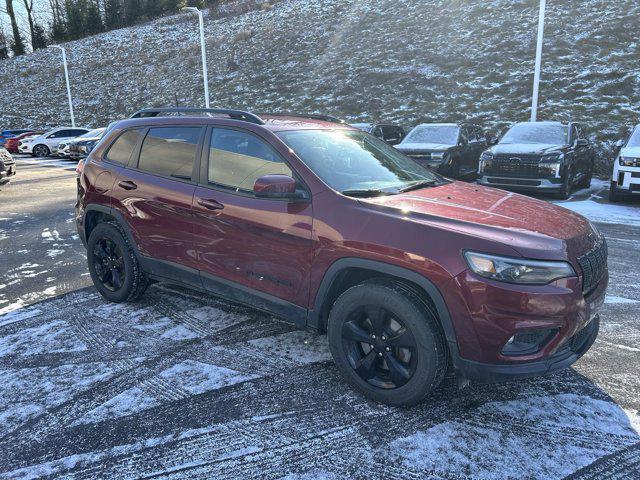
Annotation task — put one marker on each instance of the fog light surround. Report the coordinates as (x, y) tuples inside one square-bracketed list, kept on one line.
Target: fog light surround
[(528, 342)]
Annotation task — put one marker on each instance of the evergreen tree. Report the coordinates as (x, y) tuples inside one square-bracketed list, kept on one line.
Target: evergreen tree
[(75, 13), (58, 32), (4, 50), (112, 14), (39, 39), (132, 11), (92, 20)]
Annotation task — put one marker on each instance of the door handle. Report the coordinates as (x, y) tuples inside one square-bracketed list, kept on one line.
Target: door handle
[(210, 204), (127, 185)]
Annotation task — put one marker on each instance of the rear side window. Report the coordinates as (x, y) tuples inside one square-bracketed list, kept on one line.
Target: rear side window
[(170, 151), (121, 150), (237, 159)]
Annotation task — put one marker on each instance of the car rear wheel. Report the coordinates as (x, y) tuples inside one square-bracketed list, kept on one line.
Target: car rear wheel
[(113, 265), (387, 342), (41, 151)]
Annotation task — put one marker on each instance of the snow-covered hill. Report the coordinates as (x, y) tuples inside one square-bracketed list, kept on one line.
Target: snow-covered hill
[(399, 60)]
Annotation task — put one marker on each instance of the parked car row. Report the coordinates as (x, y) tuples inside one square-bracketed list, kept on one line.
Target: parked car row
[(540, 156), (531, 156)]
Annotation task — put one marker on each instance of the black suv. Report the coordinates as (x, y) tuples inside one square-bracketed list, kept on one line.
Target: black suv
[(543, 156), (392, 134), (452, 149)]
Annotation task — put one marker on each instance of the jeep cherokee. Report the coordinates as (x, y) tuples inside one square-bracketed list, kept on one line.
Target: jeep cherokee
[(325, 225)]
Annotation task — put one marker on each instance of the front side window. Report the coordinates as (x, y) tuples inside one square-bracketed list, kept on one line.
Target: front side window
[(550, 134), (121, 150), (351, 160), (237, 159), (439, 134), (170, 151)]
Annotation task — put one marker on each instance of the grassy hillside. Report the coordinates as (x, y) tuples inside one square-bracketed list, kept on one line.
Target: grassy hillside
[(399, 60)]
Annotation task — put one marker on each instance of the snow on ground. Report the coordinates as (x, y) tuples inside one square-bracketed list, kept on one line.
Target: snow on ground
[(488, 443), (597, 209), (185, 384)]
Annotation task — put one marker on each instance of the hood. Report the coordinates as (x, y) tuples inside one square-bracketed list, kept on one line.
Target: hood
[(534, 228), (417, 147), (630, 152), (525, 148)]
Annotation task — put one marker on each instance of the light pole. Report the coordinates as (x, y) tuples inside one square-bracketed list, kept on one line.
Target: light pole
[(536, 76), (66, 77), (203, 47)]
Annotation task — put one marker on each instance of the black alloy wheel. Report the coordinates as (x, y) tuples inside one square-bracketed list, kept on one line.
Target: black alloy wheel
[(380, 349), (109, 264), (386, 342)]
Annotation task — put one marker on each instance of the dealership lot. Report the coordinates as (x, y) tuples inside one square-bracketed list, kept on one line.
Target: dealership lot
[(182, 385)]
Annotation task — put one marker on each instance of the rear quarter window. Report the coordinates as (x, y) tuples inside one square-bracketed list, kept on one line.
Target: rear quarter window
[(121, 150)]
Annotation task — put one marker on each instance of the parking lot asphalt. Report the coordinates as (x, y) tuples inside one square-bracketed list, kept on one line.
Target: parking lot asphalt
[(183, 385)]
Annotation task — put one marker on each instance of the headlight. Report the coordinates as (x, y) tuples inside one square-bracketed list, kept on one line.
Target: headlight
[(486, 160), (515, 270), (629, 162), (553, 157)]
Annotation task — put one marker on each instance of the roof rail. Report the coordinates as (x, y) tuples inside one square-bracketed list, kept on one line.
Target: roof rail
[(233, 114), (312, 116)]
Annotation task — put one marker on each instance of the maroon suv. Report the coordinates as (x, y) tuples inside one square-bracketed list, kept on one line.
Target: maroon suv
[(330, 227)]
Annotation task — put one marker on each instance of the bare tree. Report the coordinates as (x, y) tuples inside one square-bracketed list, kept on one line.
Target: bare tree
[(17, 45)]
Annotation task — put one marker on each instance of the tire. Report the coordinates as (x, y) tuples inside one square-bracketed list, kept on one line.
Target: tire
[(586, 181), (388, 373), (613, 195), (108, 249), (41, 151), (565, 191)]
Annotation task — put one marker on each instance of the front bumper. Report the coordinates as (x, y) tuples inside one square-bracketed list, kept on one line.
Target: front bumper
[(488, 314), (541, 184), (573, 348)]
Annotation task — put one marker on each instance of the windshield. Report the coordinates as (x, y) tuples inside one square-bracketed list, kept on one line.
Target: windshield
[(97, 133), (350, 160), (634, 141), (537, 133), (443, 134)]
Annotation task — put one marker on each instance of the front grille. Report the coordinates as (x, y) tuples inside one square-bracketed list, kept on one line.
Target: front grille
[(517, 166), (508, 181), (594, 266)]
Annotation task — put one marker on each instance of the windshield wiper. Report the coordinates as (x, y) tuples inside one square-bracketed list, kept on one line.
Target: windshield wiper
[(366, 193), (417, 185)]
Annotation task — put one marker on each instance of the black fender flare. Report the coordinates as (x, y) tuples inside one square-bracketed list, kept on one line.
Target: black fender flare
[(392, 270), (95, 207)]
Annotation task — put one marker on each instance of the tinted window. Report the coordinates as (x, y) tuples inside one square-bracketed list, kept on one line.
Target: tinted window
[(120, 152), (170, 151), (237, 159), (59, 134), (75, 133)]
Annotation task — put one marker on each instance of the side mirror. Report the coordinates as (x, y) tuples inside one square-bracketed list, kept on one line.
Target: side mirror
[(276, 186), (619, 144), (581, 142)]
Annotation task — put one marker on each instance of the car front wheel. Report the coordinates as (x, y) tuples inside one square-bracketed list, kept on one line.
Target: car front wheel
[(387, 342)]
